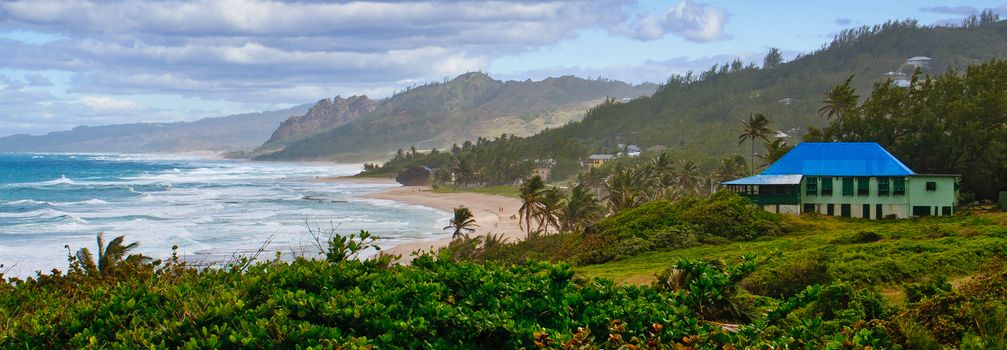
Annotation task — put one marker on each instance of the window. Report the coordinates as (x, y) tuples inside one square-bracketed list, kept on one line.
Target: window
[(883, 187), (809, 208), (847, 186), (931, 186), (899, 186), (863, 186), (921, 210), (830, 209), (812, 186), (865, 211), (845, 211), (827, 186), (945, 211)]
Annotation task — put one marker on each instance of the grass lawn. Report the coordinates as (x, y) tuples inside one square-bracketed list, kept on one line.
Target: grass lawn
[(504, 190), (882, 253)]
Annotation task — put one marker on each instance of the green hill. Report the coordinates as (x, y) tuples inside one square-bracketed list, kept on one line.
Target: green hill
[(701, 112), (469, 106)]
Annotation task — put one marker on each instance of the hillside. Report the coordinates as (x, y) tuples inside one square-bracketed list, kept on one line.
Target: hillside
[(702, 112), (230, 133), (470, 106), (326, 114)]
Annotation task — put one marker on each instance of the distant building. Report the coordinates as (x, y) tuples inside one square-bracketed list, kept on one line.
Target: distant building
[(597, 160), (633, 150), (848, 179), (921, 62), (542, 172)]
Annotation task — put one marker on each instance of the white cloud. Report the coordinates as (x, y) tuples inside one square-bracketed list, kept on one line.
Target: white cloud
[(691, 20), (106, 103), (264, 53)]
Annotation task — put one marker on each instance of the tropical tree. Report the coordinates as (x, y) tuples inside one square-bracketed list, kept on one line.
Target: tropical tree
[(687, 175), (756, 127), (774, 151), (113, 257), (551, 200), (662, 177), (531, 201), (839, 101), (463, 221), (626, 189), (729, 168), (579, 210)]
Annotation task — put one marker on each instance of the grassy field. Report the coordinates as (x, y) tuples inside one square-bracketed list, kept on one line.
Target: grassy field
[(505, 190), (882, 254)]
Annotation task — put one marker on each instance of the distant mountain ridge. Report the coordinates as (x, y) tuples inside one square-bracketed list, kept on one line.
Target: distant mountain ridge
[(437, 115), (221, 134), (325, 114)]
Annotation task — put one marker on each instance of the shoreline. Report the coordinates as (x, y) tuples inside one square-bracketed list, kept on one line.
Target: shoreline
[(494, 214)]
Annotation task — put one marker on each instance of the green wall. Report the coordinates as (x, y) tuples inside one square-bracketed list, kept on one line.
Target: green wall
[(916, 194)]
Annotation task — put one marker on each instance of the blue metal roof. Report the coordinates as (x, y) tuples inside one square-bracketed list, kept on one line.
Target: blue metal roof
[(767, 180), (838, 159)]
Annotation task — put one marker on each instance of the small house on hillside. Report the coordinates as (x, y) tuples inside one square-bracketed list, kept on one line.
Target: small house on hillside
[(597, 160), (848, 179), (633, 150), (657, 148)]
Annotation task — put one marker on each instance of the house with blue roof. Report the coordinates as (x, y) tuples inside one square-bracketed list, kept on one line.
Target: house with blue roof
[(849, 179)]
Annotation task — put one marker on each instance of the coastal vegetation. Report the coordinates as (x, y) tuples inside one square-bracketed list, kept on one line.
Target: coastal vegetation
[(701, 300), (814, 94), (955, 123)]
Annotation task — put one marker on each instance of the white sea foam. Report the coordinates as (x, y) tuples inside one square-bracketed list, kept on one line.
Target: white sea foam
[(215, 207)]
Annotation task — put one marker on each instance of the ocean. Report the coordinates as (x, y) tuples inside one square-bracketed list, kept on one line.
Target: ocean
[(211, 209)]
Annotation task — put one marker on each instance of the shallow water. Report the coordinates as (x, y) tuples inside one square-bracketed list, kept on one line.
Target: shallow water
[(209, 208)]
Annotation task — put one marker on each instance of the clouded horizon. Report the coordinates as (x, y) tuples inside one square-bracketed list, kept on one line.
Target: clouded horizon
[(68, 63)]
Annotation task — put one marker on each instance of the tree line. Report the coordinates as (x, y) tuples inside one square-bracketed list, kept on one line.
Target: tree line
[(954, 123)]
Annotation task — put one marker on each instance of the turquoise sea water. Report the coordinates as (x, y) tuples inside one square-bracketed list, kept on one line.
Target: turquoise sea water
[(212, 209)]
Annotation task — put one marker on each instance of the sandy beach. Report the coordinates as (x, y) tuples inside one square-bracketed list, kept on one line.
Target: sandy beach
[(494, 214)]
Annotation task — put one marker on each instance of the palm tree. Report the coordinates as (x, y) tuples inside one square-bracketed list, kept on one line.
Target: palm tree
[(112, 257), (756, 127), (729, 168), (579, 210), (839, 101), (462, 221), (662, 176), (774, 151), (531, 197), (552, 199), (625, 189), (687, 174)]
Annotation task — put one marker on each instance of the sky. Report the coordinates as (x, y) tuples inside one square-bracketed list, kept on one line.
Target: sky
[(94, 62)]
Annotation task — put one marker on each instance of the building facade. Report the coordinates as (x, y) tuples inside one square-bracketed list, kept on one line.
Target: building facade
[(848, 179), (597, 160)]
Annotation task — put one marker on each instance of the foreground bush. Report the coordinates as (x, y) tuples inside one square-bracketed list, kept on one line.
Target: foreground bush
[(434, 303), (337, 301)]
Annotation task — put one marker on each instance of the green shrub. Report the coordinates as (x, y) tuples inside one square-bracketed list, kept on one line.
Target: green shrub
[(720, 218), (918, 291), (859, 237), (789, 278)]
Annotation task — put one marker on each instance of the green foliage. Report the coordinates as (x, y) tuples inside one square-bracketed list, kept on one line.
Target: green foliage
[(950, 124), (666, 224), (975, 306), (815, 246), (462, 221), (918, 291), (338, 302), (342, 248)]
